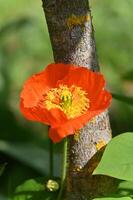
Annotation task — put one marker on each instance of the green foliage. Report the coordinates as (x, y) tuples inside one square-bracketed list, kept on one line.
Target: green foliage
[(33, 156), (111, 198), (14, 26), (34, 189), (117, 160), (114, 42), (29, 154), (125, 99), (2, 168), (125, 188), (25, 49), (128, 76)]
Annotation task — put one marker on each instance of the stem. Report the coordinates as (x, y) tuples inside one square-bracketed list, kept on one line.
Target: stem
[(51, 158), (64, 169)]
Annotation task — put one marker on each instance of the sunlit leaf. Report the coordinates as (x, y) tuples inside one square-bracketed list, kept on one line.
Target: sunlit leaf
[(113, 198), (34, 189), (117, 160), (125, 188)]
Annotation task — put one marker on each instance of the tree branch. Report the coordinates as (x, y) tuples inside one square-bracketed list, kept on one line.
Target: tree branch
[(72, 37)]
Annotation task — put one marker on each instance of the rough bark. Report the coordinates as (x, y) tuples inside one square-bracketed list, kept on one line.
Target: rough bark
[(72, 37)]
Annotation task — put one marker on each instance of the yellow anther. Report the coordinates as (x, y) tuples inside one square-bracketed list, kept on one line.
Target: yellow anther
[(66, 95), (72, 101)]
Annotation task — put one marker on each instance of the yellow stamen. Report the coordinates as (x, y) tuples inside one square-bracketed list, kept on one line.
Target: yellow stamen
[(72, 101)]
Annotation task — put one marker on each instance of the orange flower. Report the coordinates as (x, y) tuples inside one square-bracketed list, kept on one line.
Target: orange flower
[(65, 97)]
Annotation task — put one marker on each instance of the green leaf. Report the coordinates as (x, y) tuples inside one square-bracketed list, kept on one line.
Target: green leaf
[(2, 168), (112, 198), (125, 99), (125, 188), (117, 160), (34, 189)]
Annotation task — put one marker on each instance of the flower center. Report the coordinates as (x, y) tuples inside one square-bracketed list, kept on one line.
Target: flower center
[(72, 101)]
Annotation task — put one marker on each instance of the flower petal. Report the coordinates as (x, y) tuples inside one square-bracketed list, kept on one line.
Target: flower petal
[(53, 117), (70, 126), (101, 101), (34, 89), (36, 86), (53, 134), (57, 72), (86, 79), (32, 97), (57, 134)]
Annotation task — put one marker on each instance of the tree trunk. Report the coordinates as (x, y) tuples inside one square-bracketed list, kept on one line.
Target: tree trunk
[(72, 37)]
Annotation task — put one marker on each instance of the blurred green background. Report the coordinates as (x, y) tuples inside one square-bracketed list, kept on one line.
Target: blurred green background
[(24, 50)]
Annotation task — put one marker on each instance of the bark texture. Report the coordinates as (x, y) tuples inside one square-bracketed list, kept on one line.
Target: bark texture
[(72, 37)]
